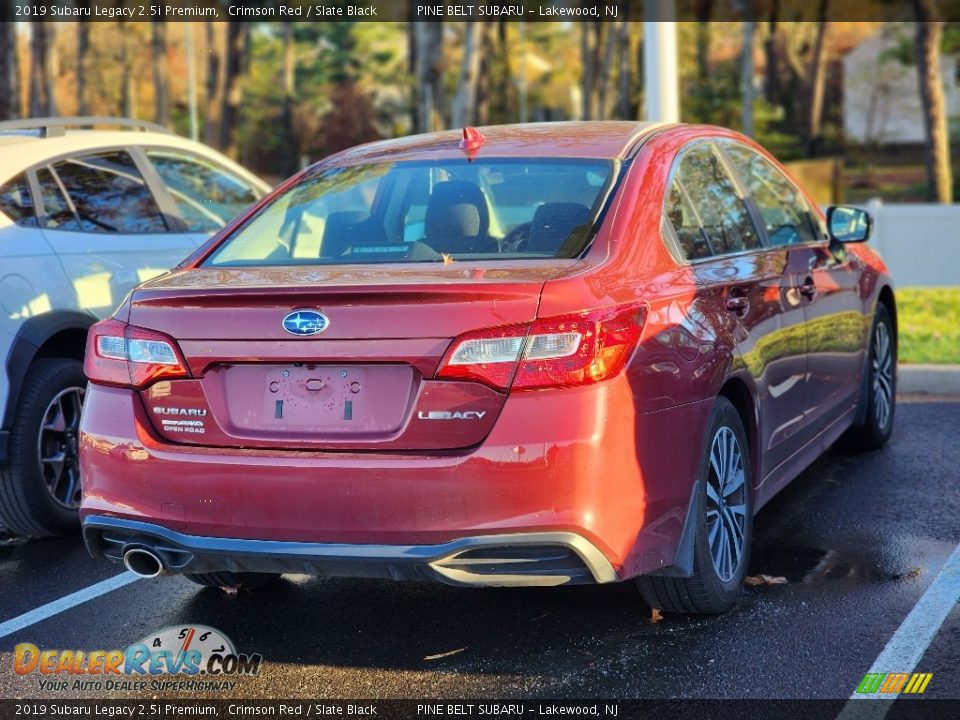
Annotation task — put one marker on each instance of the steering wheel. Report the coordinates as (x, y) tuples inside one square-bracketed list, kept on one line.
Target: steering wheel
[(516, 238)]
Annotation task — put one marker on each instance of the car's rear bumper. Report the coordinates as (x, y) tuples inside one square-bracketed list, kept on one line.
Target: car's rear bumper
[(545, 558), (579, 464)]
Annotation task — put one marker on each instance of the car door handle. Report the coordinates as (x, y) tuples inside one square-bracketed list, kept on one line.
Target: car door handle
[(808, 289)]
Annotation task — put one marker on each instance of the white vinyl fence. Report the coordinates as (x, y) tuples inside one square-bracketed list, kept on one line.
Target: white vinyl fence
[(919, 243)]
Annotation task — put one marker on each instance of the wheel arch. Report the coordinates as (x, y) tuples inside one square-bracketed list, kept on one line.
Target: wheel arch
[(62, 333), (738, 393), (887, 298)]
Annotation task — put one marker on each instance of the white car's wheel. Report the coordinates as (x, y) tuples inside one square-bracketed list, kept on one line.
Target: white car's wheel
[(40, 487)]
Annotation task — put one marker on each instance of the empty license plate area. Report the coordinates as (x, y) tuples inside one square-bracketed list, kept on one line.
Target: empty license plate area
[(318, 400)]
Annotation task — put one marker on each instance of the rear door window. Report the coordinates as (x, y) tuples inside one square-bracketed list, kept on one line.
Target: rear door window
[(16, 202), (713, 194), (57, 212), (109, 194), (206, 195), (786, 215), (686, 225)]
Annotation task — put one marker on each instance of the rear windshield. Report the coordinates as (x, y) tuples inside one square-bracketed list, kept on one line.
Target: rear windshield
[(421, 212)]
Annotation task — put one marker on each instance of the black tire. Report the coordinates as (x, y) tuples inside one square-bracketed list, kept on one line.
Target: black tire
[(242, 580), (880, 379), (27, 507), (708, 591)]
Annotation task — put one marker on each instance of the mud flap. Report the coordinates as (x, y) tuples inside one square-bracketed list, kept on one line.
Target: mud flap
[(682, 566)]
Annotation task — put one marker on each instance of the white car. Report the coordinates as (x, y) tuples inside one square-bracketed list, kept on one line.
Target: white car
[(85, 215)]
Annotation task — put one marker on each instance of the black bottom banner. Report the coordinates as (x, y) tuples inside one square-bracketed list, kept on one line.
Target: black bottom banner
[(913, 709)]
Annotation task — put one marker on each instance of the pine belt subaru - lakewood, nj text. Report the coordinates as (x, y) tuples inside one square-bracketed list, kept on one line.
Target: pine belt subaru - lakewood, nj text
[(521, 355)]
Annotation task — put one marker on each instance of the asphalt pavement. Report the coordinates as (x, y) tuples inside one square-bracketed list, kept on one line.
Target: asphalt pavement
[(858, 538)]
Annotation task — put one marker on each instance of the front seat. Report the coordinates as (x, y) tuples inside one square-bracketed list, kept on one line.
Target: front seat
[(457, 219)]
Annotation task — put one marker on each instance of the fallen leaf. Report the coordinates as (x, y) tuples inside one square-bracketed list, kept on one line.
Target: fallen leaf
[(447, 259), (655, 617), (444, 654), (765, 580)]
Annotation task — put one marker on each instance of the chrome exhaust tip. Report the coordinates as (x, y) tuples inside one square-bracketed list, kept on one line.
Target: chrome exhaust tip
[(144, 562)]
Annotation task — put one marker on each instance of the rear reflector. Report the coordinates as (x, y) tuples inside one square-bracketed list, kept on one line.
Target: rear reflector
[(127, 356), (552, 352)]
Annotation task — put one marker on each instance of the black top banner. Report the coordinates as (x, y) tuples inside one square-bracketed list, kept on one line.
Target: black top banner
[(476, 10)]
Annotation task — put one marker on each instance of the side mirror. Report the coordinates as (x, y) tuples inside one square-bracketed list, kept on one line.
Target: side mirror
[(848, 224)]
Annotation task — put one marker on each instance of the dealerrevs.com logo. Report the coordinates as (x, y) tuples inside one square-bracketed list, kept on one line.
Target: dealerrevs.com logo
[(201, 658)]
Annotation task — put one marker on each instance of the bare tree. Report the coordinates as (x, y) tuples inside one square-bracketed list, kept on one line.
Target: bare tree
[(428, 37), (746, 72), (41, 74), (83, 49), (610, 42), (161, 92), (9, 71), (623, 60), (928, 36), (289, 99), (703, 11), (817, 82), (590, 69), (128, 103), (232, 90), (484, 80), (464, 109), (211, 136)]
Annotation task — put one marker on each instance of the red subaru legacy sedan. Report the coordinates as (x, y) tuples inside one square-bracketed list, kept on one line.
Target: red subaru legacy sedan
[(524, 355)]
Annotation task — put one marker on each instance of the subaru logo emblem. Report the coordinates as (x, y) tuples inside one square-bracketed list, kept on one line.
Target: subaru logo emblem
[(305, 322)]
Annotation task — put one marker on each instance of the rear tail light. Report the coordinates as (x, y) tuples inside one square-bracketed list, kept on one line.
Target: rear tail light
[(553, 352), (127, 356)]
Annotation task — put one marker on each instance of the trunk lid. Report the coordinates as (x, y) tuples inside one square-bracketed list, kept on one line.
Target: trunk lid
[(363, 383)]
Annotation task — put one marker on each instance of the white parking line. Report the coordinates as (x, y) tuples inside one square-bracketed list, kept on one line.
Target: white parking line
[(66, 602), (911, 640)]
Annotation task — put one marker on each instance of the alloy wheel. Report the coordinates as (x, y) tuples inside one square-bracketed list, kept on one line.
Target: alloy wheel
[(882, 374), (58, 445), (726, 504)]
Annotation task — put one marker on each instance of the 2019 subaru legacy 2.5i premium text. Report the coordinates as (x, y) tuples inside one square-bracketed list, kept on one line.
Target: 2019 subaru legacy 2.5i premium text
[(536, 355)]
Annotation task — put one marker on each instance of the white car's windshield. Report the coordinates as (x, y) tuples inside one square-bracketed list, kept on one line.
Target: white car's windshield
[(427, 211)]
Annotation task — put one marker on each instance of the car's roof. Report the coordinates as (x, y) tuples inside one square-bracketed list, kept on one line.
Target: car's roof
[(21, 152), (583, 139)]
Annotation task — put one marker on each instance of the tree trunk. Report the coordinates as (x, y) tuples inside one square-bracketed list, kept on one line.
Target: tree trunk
[(929, 33), (291, 161), (40, 105), (483, 81), (464, 110), (211, 135), (161, 92), (609, 40), (589, 63), (83, 48), (771, 87), (232, 91), (429, 76), (818, 80), (127, 100), (704, 9), (623, 60), (746, 78), (9, 75)]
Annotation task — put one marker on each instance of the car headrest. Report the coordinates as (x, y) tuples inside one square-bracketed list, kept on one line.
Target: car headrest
[(456, 209), (552, 224), (344, 230)]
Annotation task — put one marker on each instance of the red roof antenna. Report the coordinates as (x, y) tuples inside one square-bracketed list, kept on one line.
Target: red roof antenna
[(472, 141)]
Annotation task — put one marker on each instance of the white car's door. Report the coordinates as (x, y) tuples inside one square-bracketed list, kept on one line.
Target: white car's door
[(31, 278), (107, 227)]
